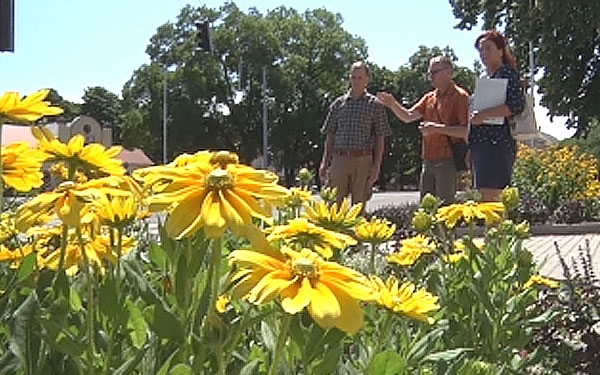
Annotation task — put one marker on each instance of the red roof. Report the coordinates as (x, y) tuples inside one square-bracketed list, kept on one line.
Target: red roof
[(135, 157)]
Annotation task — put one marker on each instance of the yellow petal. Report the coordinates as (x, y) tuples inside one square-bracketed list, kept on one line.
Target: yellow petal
[(298, 302)]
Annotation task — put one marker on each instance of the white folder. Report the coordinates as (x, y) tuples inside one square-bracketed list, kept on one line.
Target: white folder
[(490, 92)]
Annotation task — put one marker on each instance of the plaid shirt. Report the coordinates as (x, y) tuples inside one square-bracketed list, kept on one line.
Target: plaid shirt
[(356, 123)]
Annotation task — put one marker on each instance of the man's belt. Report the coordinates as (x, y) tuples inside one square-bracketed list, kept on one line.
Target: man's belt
[(353, 153)]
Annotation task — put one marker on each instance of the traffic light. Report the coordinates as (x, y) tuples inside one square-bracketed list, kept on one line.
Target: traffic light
[(7, 25), (203, 36)]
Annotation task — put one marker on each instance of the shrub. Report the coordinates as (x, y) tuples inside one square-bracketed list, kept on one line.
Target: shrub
[(556, 175), (570, 343), (530, 208), (401, 215)]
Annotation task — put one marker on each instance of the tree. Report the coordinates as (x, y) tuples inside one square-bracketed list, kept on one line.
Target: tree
[(103, 106), (305, 58), (71, 110), (565, 36)]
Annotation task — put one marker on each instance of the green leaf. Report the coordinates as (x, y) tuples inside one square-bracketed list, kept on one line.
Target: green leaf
[(144, 288), (200, 245), (136, 325), (388, 363), (544, 318), (74, 300), (328, 364), (130, 365), (107, 299), (23, 341), (447, 355), (182, 287), (164, 323), (181, 369), (424, 346), (250, 368), (69, 346), (157, 256), (27, 266), (268, 336)]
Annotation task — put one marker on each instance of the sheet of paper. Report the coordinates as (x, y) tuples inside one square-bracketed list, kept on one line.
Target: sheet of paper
[(490, 92)]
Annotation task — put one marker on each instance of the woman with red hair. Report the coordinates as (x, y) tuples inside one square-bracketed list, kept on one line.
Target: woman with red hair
[(492, 147)]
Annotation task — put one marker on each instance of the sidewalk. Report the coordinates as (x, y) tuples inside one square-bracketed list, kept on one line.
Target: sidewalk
[(544, 251)]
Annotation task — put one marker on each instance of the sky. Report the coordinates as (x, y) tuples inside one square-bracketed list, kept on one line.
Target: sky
[(70, 45)]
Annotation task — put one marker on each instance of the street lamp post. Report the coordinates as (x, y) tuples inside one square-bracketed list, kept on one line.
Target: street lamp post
[(164, 116), (265, 120)]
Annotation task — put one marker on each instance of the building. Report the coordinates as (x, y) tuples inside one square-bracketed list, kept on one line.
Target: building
[(92, 131)]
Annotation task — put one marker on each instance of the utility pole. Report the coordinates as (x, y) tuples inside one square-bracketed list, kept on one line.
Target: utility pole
[(7, 25), (164, 119), (265, 120)]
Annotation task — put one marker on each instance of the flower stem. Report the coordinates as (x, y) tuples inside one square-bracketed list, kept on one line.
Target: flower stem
[(90, 304), (283, 333), (1, 171), (215, 265), (372, 259), (382, 336)]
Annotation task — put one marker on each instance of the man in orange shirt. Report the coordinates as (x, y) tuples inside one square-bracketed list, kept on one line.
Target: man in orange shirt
[(444, 112)]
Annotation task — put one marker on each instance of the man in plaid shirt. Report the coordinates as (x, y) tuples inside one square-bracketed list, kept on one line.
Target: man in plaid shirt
[(355, 129)]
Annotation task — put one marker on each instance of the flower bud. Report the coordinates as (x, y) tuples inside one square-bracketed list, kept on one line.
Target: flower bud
[(421, 221), (304, 175), (510, 197), (522, 229), (430, 203)]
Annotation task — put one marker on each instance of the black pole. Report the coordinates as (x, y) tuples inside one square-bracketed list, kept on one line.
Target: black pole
[(7, 25)]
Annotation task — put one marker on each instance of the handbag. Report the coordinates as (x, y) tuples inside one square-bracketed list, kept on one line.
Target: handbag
[(459, 154), (525, 126)]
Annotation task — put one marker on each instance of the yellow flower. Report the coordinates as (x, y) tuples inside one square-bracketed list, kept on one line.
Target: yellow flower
[(540, 280), (375, 231), (330, 291), (117, 211), (331, 217), (459, 250), (29, 109), (302, 233), (69, 201), (97, 250), (7, 226), (14, 255), (221, 303), (403, 299), (93, 159), (298, 196), (213, 192), (22, 166), (411, 249), (491, 212)]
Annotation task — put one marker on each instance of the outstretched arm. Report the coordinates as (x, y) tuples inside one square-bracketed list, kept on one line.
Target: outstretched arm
[(399, 110)]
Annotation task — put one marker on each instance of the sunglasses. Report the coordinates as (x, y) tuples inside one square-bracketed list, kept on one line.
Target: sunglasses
[(431, 73)]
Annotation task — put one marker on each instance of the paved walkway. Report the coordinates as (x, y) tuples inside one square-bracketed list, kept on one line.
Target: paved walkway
[(568, 237), (544, 251)]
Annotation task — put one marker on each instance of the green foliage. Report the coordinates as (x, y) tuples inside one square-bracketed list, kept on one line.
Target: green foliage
[(553, 179), (570, 344), (104, 107)]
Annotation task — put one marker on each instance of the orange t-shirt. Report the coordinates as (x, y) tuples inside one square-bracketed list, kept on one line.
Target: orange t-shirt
[(451, 108)]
